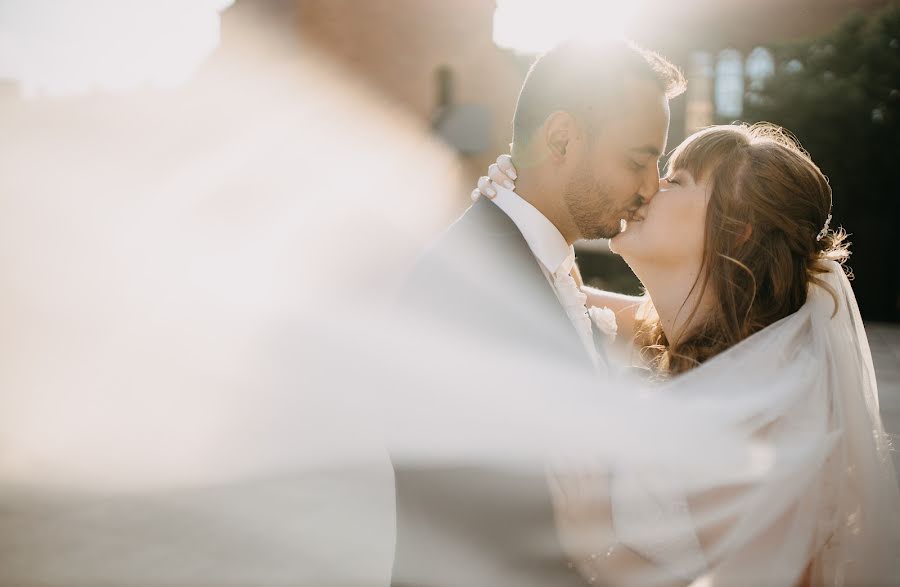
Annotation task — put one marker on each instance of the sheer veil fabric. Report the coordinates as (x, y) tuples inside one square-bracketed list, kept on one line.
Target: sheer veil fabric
[(815, 501)]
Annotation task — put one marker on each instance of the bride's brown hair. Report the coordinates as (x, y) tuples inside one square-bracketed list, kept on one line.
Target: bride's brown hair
[(768, 203)]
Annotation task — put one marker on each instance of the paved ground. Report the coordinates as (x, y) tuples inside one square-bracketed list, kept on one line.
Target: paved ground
[(885, 342)]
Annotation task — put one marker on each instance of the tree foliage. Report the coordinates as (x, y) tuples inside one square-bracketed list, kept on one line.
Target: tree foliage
[(840, 95)]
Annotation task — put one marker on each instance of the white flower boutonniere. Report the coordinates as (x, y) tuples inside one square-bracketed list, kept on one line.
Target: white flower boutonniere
[(604, 321)]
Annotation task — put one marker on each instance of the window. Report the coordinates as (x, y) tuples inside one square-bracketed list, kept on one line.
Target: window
[(760, 66), (699, 106), (730, 83)]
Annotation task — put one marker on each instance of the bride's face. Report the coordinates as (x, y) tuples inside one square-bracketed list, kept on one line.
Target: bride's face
[(668, 231)]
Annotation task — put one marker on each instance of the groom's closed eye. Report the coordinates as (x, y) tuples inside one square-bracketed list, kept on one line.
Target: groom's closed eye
[(641, 157), (646, 152)]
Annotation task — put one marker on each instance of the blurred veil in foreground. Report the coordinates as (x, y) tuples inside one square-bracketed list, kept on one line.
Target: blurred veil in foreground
[(205, 379), (187, 275)]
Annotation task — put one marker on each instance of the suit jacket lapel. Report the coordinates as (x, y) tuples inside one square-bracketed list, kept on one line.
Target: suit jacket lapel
[(499, 224)]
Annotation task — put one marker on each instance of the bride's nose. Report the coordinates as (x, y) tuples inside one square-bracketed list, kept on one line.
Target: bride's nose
[(663, 184), (652, 195)]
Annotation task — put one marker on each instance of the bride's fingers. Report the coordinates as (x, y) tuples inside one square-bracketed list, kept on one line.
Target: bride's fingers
[(499, 177), (504, 162), (475, 194), (485, 187)]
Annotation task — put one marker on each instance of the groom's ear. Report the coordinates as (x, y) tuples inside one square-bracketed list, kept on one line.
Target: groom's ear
[(560, 130)]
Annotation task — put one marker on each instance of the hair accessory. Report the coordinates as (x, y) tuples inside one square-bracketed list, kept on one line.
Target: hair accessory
[(824, 230)]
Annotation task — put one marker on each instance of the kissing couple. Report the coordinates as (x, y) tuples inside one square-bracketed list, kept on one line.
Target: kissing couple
[(748, 315)]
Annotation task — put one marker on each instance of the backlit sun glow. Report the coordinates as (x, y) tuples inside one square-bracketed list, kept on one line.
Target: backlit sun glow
[(534, 26)]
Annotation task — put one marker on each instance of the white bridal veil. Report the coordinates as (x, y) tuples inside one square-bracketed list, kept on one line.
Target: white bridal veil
[(815, 501)]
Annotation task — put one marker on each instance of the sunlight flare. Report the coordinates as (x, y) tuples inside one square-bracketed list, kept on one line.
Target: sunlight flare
[(534, 26)]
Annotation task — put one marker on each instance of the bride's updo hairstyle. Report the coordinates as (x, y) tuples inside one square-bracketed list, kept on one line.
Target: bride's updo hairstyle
[(766, 237)]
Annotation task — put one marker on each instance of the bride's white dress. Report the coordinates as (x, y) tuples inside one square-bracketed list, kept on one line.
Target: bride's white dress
[(815, 501)]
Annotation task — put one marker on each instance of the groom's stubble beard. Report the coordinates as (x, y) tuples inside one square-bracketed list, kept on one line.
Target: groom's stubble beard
[(589, 204)]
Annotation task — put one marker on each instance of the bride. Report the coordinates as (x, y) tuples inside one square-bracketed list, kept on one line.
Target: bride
[(749, 313)]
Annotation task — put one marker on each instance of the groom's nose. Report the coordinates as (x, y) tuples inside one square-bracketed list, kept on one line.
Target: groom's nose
[(649, 184)]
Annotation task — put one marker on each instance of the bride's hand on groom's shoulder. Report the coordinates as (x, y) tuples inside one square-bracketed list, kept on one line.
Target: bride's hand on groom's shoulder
[(502, 173)]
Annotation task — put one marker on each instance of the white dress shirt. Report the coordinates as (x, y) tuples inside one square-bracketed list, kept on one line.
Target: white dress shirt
[(556, 258)]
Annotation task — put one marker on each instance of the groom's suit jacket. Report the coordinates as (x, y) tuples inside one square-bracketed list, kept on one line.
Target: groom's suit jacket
[(471, 526)]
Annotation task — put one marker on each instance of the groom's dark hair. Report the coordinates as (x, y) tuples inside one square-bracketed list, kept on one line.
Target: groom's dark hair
[(585, 79)]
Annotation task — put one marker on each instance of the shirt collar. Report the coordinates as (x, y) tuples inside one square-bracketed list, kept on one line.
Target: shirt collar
[(543, 238)]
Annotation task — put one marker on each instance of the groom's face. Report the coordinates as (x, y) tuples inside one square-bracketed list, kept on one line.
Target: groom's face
[(618, 171)]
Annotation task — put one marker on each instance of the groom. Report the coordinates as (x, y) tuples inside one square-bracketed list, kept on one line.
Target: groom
[(590, 125)]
